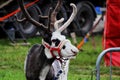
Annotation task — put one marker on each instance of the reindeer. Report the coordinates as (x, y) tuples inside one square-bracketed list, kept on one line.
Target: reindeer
[(41, 58)]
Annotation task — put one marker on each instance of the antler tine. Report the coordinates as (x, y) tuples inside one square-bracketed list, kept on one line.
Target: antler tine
[(36, 23), (49, 19), (66, 24), (56, 25), (55, 11)]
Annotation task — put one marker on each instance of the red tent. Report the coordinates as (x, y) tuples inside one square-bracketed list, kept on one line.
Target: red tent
[(112, 31)]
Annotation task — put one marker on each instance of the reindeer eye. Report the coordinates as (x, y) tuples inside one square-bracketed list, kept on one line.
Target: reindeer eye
[(54, 40), (64, 47)]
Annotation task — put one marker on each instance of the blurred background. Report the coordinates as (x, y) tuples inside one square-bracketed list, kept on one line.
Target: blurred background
[(14, 29)]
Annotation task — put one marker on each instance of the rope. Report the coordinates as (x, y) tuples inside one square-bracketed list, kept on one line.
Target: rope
[(89, 33)]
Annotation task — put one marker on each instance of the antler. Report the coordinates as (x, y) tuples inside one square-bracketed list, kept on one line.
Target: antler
[(33, 21), (56, 25), (55, 12), (51, 17), (66, 24)]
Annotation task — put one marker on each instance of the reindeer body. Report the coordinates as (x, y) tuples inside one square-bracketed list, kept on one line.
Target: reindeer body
[(38, 63), (39, 67)]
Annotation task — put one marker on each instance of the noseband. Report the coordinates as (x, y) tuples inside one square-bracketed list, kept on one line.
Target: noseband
[(57, 48)]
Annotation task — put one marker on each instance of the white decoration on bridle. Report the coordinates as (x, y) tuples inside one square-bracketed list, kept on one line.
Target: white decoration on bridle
[(62, 68)]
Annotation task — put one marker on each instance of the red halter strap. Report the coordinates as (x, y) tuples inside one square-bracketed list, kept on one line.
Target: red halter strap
[(58, 48)]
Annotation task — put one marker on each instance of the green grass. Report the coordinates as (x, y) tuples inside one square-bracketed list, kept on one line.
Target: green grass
[(12, 61)]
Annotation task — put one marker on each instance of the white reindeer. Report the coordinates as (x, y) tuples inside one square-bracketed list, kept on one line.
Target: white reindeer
[(42, 60)]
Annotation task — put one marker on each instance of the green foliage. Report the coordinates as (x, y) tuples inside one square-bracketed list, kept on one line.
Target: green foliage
[(81, 68)]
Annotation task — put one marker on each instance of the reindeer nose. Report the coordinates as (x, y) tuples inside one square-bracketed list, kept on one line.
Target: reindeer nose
[(75, 51)]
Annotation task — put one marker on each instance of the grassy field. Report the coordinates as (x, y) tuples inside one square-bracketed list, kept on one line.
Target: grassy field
[(81, 68)]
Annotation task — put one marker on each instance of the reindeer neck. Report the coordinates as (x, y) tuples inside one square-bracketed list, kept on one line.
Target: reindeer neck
[(43, 57), (46, 64)]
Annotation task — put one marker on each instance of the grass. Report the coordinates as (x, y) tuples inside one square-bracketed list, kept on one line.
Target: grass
[(81, 68)]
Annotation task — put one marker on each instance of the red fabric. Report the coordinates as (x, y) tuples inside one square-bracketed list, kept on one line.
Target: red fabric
[(112, 31)]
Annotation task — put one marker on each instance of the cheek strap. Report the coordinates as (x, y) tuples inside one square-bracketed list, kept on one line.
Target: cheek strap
[(57, 49)]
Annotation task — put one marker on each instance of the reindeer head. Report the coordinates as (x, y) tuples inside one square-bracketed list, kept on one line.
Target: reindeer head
[(56, 45)]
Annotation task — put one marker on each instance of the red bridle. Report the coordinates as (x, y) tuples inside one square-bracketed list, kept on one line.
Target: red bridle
[(52, 49)]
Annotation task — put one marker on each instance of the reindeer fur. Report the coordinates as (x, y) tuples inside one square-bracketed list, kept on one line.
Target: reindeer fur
[(36, 62)]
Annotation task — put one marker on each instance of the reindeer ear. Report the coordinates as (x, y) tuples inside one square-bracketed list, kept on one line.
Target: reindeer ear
[(66, 24), (57, 23)]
